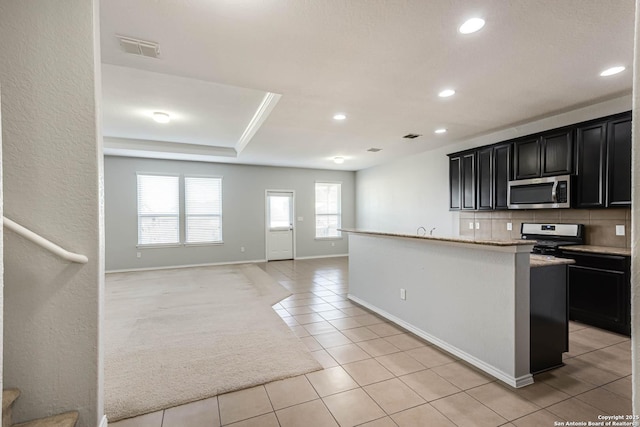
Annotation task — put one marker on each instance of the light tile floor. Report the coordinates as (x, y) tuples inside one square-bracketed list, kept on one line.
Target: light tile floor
[(376, 374)]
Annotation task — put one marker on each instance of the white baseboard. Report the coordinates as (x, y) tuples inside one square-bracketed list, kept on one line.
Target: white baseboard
[(171, 267), (322, 256), (104, 422), (515, 382)]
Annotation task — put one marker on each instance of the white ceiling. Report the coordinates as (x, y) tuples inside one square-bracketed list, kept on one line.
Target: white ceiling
[(380, 62)]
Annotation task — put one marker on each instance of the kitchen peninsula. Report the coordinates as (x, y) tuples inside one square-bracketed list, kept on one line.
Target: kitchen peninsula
[(469, 297)]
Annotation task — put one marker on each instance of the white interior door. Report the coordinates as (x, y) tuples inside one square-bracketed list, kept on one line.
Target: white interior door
[(279, 225)]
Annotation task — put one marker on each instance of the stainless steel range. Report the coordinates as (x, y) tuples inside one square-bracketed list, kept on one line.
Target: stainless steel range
[(549, 237)]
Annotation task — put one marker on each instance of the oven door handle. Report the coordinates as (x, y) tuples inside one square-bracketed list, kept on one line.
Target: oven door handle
[(554, 192)]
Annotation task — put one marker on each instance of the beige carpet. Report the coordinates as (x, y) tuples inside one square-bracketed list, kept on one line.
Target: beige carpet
[(176, 336)]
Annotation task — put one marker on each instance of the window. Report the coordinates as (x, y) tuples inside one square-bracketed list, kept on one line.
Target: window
[(158, 210), (328, 213), (203, 209)]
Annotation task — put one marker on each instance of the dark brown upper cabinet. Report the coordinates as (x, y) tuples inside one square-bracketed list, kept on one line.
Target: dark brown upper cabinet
[(485, 178), (547, 154), (462, 181), (603, 163), (619, 162), (556, 153), (501, 175), (455, 171), (526, 158)]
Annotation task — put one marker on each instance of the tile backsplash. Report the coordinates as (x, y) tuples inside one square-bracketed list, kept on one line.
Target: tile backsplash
[(600, 224)]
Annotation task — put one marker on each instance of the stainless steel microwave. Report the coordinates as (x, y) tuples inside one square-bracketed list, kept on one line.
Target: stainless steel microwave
[(540, 193)]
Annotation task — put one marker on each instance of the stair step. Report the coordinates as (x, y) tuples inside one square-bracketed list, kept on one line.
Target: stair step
[(68, 419), (9, 395)]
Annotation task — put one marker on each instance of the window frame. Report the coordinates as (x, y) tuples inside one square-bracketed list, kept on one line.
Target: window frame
[(338, 214), (186, 215), (178, 243)]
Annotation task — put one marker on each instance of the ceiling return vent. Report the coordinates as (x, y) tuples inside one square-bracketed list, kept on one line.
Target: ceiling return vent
[(139, 47), (411, 135), (374, 150)]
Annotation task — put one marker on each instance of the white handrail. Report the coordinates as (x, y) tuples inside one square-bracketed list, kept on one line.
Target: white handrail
[(41, 241)]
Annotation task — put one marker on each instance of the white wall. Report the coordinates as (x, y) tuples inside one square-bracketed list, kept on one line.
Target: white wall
[(243, 216), (52, 184), (411, 192)]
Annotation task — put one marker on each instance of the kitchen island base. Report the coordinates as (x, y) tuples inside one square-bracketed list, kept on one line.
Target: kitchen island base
[(468, 298)]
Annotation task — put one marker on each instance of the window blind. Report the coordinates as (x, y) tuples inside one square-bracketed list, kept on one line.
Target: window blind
[(328, 209), (203, 209), (158, 210)]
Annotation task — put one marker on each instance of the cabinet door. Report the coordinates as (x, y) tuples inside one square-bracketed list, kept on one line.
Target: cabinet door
[(599, 297), (469, 181), (455, 170), (485, 178), (501, 175), (557, 151), (619, 163), (526, 155), (590, 165)]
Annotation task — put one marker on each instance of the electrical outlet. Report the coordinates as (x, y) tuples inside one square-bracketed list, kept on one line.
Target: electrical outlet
[(509, 226), (300, 218), (403, 294), (619, 230), (241, 248), (139, 254), (470, 226), (477, 226), (333, 243)]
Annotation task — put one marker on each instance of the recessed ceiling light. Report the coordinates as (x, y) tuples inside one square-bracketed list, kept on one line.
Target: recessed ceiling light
[(446, 93), (338, 160), (339, 116), (611, 71), (441, 130), (161, 117), (471, 25)]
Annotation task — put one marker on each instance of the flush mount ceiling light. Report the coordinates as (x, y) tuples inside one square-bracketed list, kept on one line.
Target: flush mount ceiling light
[(441, 130), (446, 93), (338, 160), (161, 117), (471, 26), (611, 71), (339, 116)]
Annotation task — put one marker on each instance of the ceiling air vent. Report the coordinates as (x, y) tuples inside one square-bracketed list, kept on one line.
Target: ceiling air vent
[(139, 47), (412, 135), (374, 150)]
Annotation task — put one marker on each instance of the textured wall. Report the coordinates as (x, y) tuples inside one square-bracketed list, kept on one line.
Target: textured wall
[(243, 204), (635, 223), (52, 159)]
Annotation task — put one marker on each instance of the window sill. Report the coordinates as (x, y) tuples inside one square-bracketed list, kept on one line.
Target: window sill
[(204, 244), (329, 238), (159, 246)]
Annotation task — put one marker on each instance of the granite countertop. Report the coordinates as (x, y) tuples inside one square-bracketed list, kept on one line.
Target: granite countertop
[(444, 239), (607, 250), (546, 260)]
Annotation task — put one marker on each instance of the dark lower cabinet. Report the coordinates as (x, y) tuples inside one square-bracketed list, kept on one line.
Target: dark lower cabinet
[(599, 291), (549, 322)]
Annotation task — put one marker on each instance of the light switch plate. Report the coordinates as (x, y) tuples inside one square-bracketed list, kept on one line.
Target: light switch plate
[(619, 230), (509, 226), (470, 226), (477, 226), (300, 218)]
